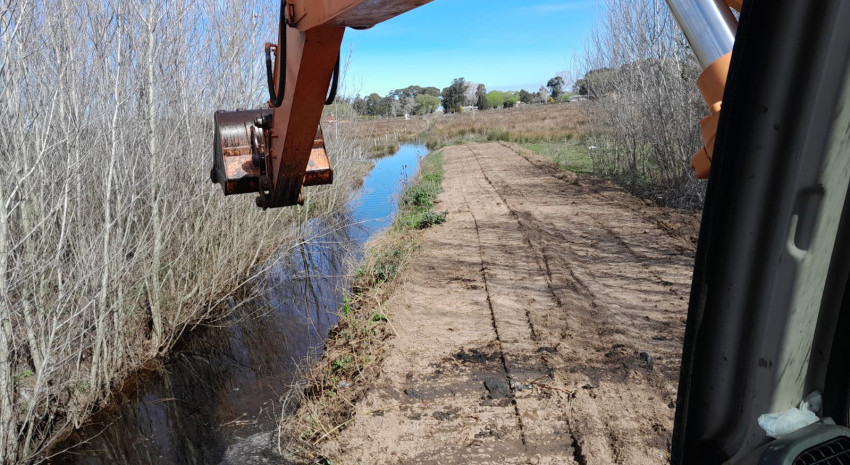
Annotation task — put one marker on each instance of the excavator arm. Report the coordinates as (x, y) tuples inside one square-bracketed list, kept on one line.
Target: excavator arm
[(276, 152)]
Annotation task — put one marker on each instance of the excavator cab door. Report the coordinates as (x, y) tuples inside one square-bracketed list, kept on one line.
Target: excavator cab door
[(769, 317)]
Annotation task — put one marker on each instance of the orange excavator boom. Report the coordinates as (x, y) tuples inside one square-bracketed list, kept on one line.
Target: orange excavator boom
[(277, 152)]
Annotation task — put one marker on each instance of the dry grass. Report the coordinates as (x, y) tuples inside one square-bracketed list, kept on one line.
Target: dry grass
[(378, 134), (527, 123)]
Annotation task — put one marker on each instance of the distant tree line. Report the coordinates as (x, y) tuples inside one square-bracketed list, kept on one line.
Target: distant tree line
[(412, 100), (417, 100)]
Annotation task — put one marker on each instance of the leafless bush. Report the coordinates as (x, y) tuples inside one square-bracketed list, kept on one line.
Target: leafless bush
[(644, 77), (112, 239)]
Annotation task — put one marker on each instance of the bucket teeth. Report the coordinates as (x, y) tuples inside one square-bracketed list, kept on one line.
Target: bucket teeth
[(319, 166)]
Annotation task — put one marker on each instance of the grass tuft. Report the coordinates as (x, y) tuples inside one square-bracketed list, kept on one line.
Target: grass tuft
[(383, 150), (424, 220)]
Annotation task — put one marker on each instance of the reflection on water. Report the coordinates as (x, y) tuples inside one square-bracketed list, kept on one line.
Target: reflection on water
[(217, 398), (374, 208)]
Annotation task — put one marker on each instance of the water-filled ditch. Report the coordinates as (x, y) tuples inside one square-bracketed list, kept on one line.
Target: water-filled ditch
[(217, 397)]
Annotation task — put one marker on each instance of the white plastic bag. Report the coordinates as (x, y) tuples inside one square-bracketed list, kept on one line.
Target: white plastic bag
[(779, 424)]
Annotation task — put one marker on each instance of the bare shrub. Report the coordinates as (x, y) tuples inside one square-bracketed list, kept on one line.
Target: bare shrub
[(112, 239), (643, 74)]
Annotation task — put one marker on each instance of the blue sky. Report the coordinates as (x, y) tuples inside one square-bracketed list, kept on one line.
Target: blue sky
[(506, 45)]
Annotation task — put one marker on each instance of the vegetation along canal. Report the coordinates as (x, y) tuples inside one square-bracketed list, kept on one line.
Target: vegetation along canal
[(217, 398)]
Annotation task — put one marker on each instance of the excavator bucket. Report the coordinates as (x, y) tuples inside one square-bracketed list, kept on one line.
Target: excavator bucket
[(237, 139), (240, 150)]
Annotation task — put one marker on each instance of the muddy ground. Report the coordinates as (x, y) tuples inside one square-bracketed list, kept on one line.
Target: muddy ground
[(540, 324)]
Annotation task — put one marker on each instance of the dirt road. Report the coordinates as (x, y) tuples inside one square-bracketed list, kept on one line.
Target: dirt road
[(521, 321)]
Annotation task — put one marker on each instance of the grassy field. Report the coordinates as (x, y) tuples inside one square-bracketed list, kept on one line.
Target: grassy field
[(526, 124)]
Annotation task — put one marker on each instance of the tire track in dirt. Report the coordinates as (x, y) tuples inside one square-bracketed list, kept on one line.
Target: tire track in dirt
[(600, 451), (508, 376), (520, 324), (519, 268), (679, 225), (578, 453), (618, 247)]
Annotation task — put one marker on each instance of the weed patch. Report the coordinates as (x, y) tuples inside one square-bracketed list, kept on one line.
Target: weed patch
[(570, 154), (382, 150), (423, 220), (384, 260)]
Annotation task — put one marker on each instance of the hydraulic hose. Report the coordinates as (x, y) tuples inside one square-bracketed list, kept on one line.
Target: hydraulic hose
[(334, 83), (276, 97)]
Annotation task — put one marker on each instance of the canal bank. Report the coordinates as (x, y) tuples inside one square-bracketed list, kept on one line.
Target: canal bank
[(355, 347), (219, 391)]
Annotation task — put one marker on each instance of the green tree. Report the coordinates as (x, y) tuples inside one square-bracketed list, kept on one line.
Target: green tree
[(496, 99), (425, 104), (373, 104), (599, 82), (433, 91), (525, 96), (481, 97), (499, 99), (581, 87), (454, 96), (390, 107), (407, 92), (359, 105), (556, 87)]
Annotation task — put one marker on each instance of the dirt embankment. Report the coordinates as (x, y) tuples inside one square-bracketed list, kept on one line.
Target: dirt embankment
[(541, 323)]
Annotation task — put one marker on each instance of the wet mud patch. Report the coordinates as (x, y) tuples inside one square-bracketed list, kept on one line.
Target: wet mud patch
[(478, 356)]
